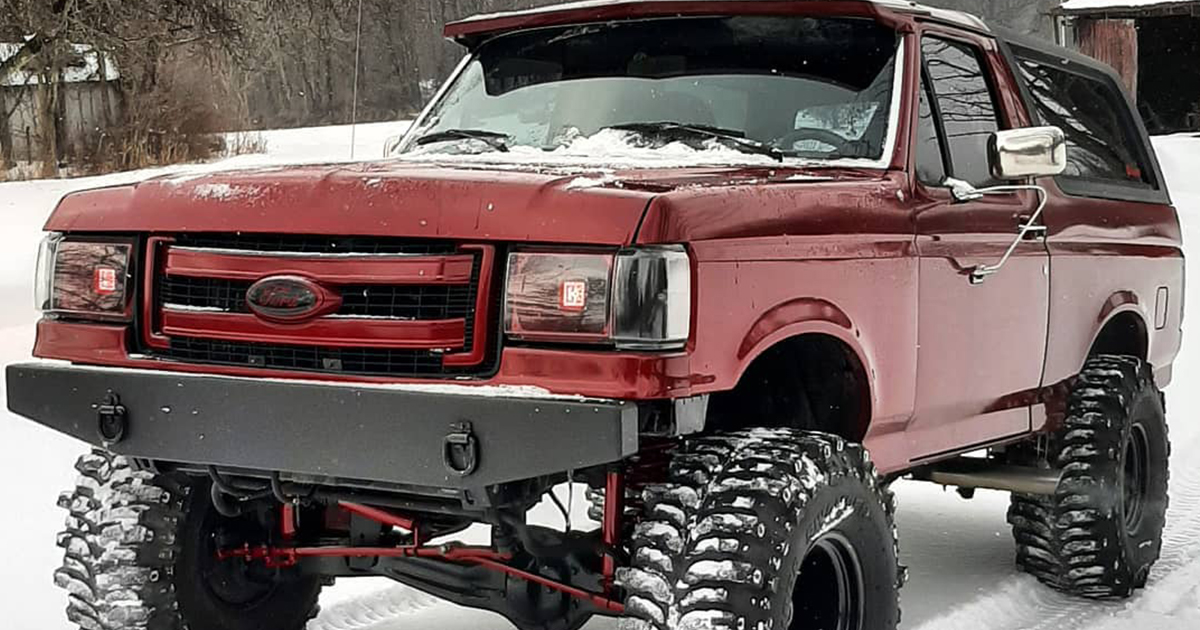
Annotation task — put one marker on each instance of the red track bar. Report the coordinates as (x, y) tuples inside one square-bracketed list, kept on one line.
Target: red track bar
[(349, 269), (323, 331), (470, 554)]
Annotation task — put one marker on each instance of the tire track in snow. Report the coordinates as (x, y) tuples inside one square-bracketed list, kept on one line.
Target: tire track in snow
[(1022, 603), (373, 611)]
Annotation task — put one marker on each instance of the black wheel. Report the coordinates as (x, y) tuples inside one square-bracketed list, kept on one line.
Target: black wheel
[(140, 552), (766, 529), (1101, 531)]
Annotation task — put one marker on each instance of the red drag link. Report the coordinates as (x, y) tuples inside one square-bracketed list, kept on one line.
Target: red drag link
[(277, 557), (599, 601)]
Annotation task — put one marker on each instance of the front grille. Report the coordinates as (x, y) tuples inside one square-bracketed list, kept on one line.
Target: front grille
[(191, 289), (391, 302), (212, 293), (366, 361), (404, 302)]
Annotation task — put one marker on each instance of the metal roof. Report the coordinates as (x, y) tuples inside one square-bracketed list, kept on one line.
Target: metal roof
[(85, 67), (1130, 8), (475, 28)]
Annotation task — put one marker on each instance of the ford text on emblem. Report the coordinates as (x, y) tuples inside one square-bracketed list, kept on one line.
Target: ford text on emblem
[(289, 299)]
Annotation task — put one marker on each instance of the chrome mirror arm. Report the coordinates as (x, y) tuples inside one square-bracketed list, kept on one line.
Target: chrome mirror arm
[(981, 272), (962, 191)]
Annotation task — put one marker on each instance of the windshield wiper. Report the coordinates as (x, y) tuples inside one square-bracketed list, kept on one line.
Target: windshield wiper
[(731, 138), (493, 139)]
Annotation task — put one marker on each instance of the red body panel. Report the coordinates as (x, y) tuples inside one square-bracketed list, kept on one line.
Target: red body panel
[(342, 270), (1107, 258), (869, 257), (448, 333), (979, 363), (371, 199), (597, 374)]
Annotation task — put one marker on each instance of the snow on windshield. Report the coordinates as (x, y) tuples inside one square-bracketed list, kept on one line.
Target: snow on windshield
[(607, 148), (805, 88)]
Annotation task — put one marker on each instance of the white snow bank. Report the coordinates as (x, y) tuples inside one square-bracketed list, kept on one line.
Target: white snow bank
[(310, 144)]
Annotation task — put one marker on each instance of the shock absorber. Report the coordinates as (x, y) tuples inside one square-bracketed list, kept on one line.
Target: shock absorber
[(646, 468)]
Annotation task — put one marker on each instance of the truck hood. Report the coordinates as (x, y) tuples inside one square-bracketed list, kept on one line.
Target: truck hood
[(555, 205)]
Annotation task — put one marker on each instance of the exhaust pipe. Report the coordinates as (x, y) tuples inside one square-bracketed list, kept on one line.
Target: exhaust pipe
[(981, 473)]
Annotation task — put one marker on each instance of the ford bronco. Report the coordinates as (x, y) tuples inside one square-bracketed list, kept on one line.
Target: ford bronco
[(692, 260)]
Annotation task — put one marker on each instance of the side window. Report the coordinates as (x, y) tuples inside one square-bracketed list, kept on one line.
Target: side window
[(1101, 145), (930, 155), (964, 100)]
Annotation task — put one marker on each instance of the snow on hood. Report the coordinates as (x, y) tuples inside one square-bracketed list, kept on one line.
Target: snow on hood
[(614, 149)]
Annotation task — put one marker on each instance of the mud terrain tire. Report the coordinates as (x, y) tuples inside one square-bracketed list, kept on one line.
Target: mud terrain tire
[(761, 530), (136, 546), (1101, 531)]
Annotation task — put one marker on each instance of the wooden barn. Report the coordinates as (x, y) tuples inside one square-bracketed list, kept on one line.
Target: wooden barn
[(1153, 44), (88, 102)]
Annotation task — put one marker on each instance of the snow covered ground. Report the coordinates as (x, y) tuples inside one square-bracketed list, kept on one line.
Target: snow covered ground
[(959, 552)]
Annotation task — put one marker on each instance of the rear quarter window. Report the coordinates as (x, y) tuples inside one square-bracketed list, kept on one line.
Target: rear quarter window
[(1107, 155)]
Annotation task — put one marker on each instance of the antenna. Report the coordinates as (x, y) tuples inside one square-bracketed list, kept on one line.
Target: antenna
[(354, 98)]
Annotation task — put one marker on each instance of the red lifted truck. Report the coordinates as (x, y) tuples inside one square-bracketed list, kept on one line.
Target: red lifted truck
[(700, 256)]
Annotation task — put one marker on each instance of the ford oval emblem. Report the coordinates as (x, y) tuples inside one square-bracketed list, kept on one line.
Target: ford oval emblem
[(286, 298)]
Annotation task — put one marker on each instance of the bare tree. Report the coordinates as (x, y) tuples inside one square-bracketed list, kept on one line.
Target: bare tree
[(141, 35)]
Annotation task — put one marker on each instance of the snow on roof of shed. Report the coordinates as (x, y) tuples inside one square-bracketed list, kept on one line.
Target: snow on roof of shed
[(86, 68), (1121, 6)]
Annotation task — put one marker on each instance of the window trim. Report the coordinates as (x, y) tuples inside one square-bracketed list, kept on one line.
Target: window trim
[(984, 69), (1153, 192), (925, 87)]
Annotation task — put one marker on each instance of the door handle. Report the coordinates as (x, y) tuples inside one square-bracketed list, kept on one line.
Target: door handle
[(1026, 227), (1029, 230)]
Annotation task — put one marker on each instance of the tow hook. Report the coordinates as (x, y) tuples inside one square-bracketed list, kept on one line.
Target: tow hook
[(461, 450), (112, 419)]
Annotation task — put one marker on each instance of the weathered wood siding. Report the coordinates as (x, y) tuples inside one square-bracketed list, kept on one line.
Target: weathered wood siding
[(1114, 42), (82, 110)]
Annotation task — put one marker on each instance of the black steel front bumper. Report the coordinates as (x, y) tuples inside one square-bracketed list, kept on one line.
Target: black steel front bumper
[(372, 433)]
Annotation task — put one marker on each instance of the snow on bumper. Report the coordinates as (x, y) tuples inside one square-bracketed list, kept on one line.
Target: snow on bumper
[(436, 439)]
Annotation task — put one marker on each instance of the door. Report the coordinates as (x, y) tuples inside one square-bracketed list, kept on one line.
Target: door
[(981, 345)]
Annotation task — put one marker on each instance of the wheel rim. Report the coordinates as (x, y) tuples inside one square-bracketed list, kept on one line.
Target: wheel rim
[(829, 589), (1136, 477)]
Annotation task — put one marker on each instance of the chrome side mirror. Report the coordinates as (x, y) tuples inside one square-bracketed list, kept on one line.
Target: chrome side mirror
[(1028, 152)]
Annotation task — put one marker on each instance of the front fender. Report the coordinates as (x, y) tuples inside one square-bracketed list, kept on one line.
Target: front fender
[(797, 317)]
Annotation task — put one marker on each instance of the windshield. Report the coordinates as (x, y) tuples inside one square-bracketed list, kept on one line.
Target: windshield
[(812, 88)]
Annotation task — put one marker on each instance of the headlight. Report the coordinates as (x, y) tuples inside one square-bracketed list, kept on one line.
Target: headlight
[(636, 298), (43, 275), (83, 278), (652, 298)]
